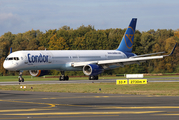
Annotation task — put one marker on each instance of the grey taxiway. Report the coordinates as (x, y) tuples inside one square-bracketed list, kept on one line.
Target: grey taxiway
[(76, 106)]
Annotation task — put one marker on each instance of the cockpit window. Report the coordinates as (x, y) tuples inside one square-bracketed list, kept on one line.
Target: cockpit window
[(16, 58), (12, 58)]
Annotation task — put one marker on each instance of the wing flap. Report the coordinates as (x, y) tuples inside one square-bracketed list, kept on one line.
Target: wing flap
[(128, 60), (80, 64), (144, 55)]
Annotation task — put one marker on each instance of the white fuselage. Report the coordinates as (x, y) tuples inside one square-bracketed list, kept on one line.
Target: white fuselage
[(57, 59)]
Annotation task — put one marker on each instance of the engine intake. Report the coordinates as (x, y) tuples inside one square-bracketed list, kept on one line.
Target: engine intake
[(38, 73), (92, 69)]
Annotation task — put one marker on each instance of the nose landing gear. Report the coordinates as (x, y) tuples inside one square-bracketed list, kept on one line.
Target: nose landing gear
[(21, 79)]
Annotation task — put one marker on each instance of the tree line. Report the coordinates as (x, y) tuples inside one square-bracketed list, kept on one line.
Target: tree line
[(88, 38)]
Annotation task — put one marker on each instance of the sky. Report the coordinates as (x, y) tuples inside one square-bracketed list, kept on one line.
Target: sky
[(19, 16)]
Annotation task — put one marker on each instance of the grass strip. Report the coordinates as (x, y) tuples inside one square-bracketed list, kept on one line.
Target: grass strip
[(167, 89), (49, 77)]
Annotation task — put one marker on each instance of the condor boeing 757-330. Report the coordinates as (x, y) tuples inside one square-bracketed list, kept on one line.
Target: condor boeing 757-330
[(91, 62)]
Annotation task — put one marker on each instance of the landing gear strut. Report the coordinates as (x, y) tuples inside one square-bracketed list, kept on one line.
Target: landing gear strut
[(63, 77), (93, 77), (21, 79)]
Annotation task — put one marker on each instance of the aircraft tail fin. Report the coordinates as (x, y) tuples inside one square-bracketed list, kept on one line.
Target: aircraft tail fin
[(10, 50), (128, 38)]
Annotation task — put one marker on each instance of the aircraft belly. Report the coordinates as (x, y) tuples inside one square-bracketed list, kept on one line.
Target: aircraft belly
[(112, 67), (64, 67)]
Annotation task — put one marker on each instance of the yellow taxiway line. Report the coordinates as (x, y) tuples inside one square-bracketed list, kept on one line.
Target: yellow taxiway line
[(86, 113), (142, 107), (23, 110), (74, 116)]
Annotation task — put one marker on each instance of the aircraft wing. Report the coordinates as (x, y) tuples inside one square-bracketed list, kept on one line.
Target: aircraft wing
[(148, 54), (121, 62), (155, 53)]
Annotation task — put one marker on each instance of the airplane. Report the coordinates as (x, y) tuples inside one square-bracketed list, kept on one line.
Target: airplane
[(91, 62)]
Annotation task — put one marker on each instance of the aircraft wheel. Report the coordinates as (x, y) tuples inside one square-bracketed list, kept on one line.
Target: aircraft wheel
[(96, 77), (66, 78), (61, 78), (22, 79), (93, 77)]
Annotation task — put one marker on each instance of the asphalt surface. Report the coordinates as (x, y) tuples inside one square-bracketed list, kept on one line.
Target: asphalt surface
[(79, 106)]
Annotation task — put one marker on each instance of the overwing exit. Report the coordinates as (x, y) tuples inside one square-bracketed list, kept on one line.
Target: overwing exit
[(91, 62)]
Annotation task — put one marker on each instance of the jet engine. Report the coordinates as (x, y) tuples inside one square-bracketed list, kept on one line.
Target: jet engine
[(92, 69), (38, 73)]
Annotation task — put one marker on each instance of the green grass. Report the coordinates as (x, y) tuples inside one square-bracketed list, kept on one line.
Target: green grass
[(27, 78), (30, 78), (50, 77), (168, 89), (164, 76), (47, 78)]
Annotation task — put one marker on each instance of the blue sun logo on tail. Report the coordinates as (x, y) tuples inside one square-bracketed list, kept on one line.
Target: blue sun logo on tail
[(129, 37)]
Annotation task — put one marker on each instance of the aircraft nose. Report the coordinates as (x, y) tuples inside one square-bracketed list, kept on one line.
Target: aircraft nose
[(7, 65)]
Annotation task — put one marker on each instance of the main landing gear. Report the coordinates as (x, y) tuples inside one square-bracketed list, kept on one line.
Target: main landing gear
[(93, 77), (63, 77), (21, 79)]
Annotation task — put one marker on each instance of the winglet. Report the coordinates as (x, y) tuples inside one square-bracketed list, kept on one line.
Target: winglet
[(10, 50), (172, 50)]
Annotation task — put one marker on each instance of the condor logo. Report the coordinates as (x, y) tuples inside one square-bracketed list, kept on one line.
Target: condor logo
[(129, 37), (37, 58)]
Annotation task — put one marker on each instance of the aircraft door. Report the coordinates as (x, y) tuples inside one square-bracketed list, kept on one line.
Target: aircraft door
[(25, 59), (49, 58)]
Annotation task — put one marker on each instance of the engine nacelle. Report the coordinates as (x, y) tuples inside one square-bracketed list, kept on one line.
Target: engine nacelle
[(92, 69), (38, 73)]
